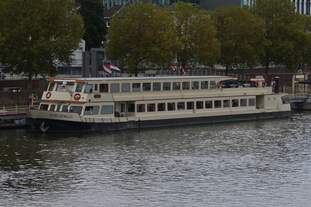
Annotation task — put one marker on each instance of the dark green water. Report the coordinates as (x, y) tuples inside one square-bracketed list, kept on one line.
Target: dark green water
[(266, 163)]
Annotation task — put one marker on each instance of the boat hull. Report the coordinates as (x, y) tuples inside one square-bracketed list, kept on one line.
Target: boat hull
[(50, 125)]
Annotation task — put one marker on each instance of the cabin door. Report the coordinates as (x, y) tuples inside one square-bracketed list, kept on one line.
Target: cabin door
[(125, 109)]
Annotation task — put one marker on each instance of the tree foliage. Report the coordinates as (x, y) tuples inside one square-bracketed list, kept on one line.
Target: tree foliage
[(241, 35), (95, 28), (284, 32), (36, 33), (196, 36), (141, 34)]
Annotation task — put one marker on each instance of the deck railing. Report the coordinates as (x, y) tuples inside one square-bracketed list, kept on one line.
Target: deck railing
[(16, 109)]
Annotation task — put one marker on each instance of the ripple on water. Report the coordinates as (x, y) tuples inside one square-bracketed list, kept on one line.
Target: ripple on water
[(264, 163)]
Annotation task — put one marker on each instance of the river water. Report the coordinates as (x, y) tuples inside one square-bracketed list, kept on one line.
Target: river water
[(265, 163)]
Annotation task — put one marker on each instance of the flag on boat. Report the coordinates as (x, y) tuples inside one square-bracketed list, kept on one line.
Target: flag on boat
[(108, 68), (173, 67)]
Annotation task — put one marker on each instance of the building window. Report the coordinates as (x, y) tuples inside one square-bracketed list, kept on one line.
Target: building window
[(243, 102), (176, 86), (204, 85), (190, 105), (161, 106), (146, 86), (126, 87), (156, 86), (186, 85), (195, 85), (151, 108), (115, 88), (141, 108), (217, 104), (91, 110), (208, 104), (171, 106), (107, 110), (136, 87), (235, 103), (226, 103), (103, 88), (166, 86), (200, 105), (181, 106)]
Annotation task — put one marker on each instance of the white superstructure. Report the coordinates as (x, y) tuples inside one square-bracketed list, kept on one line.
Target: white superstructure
[(131, 100)]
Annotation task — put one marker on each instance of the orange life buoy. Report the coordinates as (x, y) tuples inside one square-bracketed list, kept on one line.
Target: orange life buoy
[(48, 95), (77, 97)]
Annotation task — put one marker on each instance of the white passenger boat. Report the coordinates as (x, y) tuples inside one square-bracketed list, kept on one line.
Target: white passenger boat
[(105, 104)]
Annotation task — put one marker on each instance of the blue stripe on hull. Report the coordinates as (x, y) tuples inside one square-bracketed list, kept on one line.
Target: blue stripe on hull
[(62, 126)]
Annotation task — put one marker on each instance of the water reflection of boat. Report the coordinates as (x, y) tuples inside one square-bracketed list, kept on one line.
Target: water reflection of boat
[(144, 102)]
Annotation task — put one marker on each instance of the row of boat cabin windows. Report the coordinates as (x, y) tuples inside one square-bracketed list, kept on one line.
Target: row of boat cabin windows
[(132, 87), (151, 107)]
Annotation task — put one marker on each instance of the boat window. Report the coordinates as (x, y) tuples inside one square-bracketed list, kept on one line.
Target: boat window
[(195, 85), (136, 87), (208, 104), (251, 102), (226, 103), (235, 103), (69, 86), (141, 108), (60, 87), (91, 110), (131, 108), (51, 86), (217, 104), (65, 108), (186, 85), (166, 86), (79, 87), (52, 107), (212, 84), (126, 87), (204, 84), (107, 109), (103, 88), (190, 105), (88, 88), (243, 102), (151, 107), (171, 106), (44, 107), (58, 107), (95, 87), (115, 88), (176, 86), (200, 105), (161, 106), (146, 86), (75, 109), (156, 86), (181, 106)]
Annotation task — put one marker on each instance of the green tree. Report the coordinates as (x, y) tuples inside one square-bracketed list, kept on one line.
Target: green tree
[(241, 34), (284, 28), (93, 17), (141, 34), (196, 36), (37, 34)]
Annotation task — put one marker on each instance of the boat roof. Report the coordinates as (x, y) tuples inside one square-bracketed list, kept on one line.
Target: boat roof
[(140, 78)]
